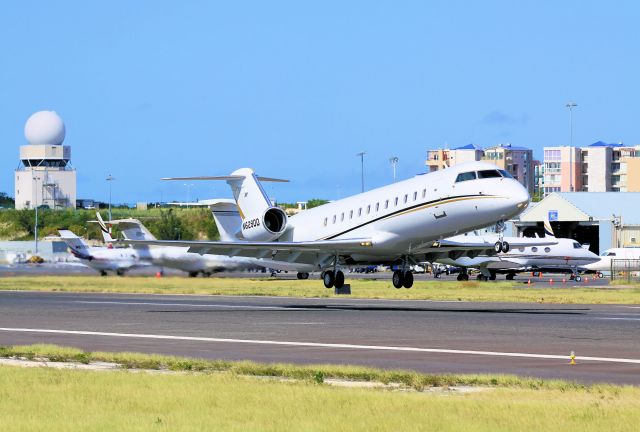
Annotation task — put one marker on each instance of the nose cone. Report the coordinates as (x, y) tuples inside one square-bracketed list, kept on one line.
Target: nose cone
[(518, 198)]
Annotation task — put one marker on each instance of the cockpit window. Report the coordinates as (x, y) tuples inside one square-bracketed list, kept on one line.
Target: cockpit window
[(488, 174), (505, 174), (577, 245), (609, 254), (471, 175)]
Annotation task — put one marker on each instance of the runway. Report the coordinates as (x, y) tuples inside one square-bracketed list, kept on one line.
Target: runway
[(436, 337)]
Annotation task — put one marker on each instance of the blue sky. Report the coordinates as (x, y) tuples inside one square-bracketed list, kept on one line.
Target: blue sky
[(296, 89)]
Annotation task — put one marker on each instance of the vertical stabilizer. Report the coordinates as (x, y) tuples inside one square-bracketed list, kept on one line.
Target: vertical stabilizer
[(77, 246)]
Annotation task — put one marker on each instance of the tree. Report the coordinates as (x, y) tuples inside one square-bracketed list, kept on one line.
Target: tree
[(315, 202), (170, 227)]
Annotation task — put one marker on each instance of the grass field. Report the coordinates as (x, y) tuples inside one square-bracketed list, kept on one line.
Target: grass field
[(68, 400), (360, 288)]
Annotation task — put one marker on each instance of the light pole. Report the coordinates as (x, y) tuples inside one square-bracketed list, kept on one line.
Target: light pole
[(394, 161), (571, 105), (188, 186), (361, 154), (110, 179)]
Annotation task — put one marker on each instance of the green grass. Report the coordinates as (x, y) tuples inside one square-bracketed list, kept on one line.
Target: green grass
[(69, 400), (360, 288)]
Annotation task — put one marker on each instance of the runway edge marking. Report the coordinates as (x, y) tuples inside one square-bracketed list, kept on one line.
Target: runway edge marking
[(319, 345)]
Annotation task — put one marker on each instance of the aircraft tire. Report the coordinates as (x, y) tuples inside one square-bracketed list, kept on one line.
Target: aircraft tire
[(497, 247), (103, 273), (510, 276), (578, 278), (460, 277), (407, 280), (600, 275), (303, 275), (397, 279), (339, 282), (493, 276), (505, 247), (120, 272), (328, 278), (193, 274)]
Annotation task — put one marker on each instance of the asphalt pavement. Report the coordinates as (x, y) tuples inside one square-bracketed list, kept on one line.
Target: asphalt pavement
[(436, 337)]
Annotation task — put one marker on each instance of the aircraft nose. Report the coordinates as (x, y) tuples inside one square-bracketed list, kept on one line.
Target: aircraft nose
[(520, 196)]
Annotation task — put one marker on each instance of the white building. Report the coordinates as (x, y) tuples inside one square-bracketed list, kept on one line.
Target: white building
[(45, 176)]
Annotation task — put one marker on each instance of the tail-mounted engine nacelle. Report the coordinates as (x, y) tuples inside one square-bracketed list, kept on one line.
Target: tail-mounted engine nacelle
[(267, 227)]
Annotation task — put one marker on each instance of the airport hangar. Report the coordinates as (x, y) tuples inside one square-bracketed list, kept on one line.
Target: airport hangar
[(602, 219)]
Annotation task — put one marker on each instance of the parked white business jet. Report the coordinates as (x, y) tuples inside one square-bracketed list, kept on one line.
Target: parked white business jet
[(549, 254), (179, 258), (397, 223), (629, 260), (102, 259)]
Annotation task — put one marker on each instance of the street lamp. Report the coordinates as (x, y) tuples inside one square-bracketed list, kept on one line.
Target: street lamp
[(571, 105), (361, 154), (110, 179), (394, 161)]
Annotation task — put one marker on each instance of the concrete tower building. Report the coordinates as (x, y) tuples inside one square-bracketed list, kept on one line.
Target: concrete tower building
[(45, 176)]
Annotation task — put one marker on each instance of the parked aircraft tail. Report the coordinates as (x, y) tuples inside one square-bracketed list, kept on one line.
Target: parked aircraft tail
[(548, 231), (77, 246)]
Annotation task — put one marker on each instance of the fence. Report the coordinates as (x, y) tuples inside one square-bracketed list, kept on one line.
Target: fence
[(625, 270)]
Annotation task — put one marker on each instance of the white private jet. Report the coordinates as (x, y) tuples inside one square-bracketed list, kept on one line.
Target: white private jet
[(397, 223), (179, 258), (629, 260), (102, 259), (528, 254)]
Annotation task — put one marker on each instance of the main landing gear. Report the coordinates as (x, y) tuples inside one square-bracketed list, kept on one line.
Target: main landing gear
[(402, 279), (333, 279), (303, 275), (463, 276)]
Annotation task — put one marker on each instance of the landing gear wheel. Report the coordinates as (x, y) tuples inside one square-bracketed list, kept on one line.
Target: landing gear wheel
[(600, 275), (497, 247), (505, 247), (328, 278), (103, 273), (339, 282), (437, 275), (493, 276), (408, 280), (510, 276), (397, 279), (483, 278), (303, 275), (479, 277), (578, 278), (120, 272), (462, 277), (193, 274)]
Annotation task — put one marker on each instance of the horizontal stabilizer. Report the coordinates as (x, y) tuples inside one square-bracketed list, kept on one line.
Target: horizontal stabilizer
[(227, 177)]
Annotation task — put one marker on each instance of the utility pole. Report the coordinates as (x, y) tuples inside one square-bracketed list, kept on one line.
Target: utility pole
[(35, 229), (361, 154), (571, 105), (394, 161), (110, 179)]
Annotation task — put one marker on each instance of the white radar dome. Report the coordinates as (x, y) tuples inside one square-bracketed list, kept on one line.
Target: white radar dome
[(44, 127)]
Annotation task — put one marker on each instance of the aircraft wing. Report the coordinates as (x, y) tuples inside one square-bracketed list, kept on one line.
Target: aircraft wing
[(274, 250)]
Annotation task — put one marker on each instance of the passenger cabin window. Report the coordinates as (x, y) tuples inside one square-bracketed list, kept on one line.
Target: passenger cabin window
[(424, 193), (386, 204), (325, 221), (351, 214), (415, 196), (341, 217), (396, 202), (534, 249), (547, 249), (505, 174), (360, 212), (377, 206), (406, 197), (471, 175), (488, 174), (369, 209), (334, 218)]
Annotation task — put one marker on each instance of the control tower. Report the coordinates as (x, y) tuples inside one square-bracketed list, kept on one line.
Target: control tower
[(45, 176)]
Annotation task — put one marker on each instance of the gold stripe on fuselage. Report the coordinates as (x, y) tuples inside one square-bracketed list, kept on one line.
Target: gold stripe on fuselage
[(422, 207)]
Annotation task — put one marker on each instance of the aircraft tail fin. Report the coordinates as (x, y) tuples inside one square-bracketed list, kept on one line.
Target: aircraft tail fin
[(250, 196), (78, 247), (227, 218), (548, 230), (104, 229)]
